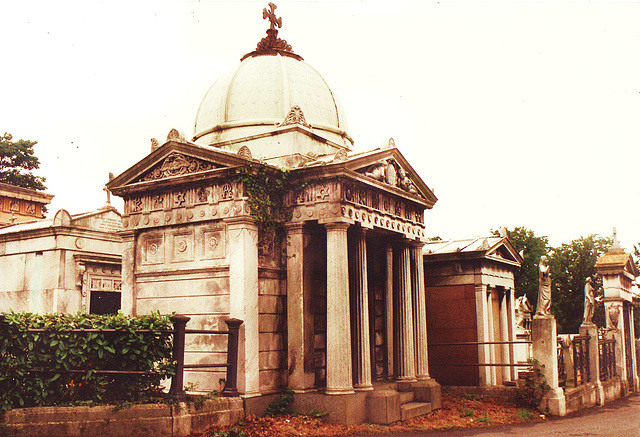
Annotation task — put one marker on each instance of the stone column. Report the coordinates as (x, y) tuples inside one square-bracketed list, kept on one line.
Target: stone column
[(591, 330), (511, 310), (492, 347), (482, 323), (406, 370), (361, 346), (389, 312), (544, 335), (634, 353), (339, 375), (243, 299), (128, 293), (300, 330), (419, 311), (504, 335)]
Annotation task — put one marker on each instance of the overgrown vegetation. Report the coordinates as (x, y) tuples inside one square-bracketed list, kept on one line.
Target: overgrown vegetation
[(266, 188), (34, 366), (530, 393), (281, 405)]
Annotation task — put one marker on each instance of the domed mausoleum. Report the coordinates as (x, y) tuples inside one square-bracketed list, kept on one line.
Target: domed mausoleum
[(323, 263)]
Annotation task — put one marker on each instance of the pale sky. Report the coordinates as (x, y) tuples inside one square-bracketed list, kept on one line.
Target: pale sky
[(514, 113)]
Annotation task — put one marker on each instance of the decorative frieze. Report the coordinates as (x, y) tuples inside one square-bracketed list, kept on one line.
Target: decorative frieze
[(371, 198)]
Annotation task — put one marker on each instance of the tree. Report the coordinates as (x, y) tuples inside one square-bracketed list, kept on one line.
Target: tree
[(532, 247), (570, 265), (17, 161)]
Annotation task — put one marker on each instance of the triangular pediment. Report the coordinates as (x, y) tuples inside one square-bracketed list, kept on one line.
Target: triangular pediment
[(390, 168), (503, 250), (176, 160)]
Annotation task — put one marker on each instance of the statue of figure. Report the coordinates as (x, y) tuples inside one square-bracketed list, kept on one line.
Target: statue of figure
[(523, 311), (544, 290), (589, 301)]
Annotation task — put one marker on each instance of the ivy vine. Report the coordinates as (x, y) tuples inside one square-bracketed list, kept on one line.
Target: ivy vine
[(266, 188)]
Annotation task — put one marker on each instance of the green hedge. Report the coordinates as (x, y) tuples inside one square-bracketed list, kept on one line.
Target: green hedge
[(57, 350)]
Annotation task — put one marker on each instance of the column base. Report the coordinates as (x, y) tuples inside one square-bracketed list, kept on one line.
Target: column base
[(362, 387), (554, 402), (339, 391)]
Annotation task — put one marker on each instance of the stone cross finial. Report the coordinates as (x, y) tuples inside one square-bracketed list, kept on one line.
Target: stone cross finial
[(616, 243), (271, 15), (106, 190)]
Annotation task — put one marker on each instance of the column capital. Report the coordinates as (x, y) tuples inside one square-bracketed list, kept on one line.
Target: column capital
[(294, 227), (243, 221), (127, 235), (481, 288), (416, 244), (337, 226)]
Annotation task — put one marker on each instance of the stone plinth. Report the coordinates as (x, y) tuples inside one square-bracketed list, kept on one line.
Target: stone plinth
[(544, 336)]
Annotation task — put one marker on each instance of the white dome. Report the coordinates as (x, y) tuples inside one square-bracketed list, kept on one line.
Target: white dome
[(258, 95)]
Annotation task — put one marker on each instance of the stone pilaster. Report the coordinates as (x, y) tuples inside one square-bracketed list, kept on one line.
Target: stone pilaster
[(615, 323), (591, 330), (339, 374), (128, 293), (482, 323), (389, 311), (243, 299), (300, 330), (419, 312), (406, 370), (360, 338)]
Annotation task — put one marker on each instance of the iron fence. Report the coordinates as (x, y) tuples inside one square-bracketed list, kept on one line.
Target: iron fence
[(581, 367), (562, 369), (607, 353)]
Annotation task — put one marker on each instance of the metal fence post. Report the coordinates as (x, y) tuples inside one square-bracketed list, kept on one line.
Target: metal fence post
[(177, 381), (231, 384)]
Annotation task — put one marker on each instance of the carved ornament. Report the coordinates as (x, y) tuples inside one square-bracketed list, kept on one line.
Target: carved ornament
[(295, 116), (244, 152), (391, 173), (177, 164)]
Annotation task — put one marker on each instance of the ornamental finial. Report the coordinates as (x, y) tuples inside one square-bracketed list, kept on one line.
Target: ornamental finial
[(271, 15), (271, 43)]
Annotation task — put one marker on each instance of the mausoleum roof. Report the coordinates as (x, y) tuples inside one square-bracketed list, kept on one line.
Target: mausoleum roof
[(271, 88)]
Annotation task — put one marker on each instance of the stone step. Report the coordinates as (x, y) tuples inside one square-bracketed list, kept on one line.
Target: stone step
[(406, 397), (414, 409)]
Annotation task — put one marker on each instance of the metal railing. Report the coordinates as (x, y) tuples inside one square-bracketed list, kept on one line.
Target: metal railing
[(562, 369), (581, 367), (607, 352), (479, 343)]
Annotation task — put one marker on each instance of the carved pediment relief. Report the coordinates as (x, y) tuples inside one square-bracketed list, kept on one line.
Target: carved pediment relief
[(176, 164), (390, 172)]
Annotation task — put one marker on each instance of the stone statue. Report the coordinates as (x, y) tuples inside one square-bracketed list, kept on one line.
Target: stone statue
[(544, 290), (523, 311), (589, 301)]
